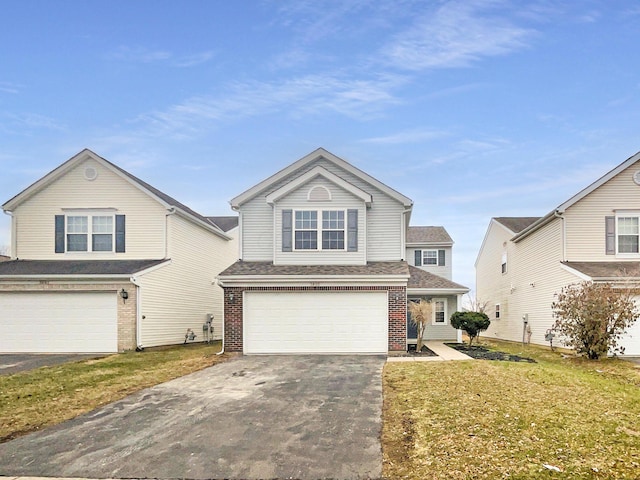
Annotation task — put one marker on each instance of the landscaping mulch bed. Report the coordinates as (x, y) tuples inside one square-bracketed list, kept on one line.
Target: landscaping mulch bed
[(482, 353), (424, 352)]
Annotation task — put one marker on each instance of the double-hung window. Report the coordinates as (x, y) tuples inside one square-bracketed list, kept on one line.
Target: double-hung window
[(429, 257), (100, 232), (439, 311), (90, 233), (330, 229), (628, 233)]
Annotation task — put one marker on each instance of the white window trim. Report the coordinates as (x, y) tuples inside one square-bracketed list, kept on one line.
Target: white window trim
[(498, 312), (89, 215), (446, 317), (624, 214), (425, 264), (503, 263), (318, 230)]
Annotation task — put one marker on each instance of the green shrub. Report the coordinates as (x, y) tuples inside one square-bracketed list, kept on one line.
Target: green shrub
[(471, 322)]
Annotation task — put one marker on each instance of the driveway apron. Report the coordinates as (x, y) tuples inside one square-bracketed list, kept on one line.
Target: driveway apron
[(307, 417)]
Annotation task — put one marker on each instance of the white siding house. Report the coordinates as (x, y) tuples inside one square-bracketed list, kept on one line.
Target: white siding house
[(322, 265)]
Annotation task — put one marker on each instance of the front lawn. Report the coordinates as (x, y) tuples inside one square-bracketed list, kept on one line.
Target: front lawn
[(496, 419), (46, 396)]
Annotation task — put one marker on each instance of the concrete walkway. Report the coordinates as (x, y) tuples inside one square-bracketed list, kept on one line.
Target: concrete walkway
[(443, 352)]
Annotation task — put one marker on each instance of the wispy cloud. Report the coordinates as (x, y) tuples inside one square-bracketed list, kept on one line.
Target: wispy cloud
[(23, 123), (409, 136), (145, 55), (8, 87), (456, 35), (307, 95)]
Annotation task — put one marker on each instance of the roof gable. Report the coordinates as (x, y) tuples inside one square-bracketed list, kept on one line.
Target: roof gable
[(315, 172), (577, 197), (86, 154), (516, 224), (291, 170)]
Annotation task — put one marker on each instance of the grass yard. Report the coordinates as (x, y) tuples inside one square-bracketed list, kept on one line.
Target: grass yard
[(491, 419), (46, 396)]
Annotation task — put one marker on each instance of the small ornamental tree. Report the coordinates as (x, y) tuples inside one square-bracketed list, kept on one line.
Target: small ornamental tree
[(592, 317), (421, 314), (471, 322)]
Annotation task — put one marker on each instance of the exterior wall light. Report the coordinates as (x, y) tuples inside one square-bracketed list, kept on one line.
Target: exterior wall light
[(124, 294)]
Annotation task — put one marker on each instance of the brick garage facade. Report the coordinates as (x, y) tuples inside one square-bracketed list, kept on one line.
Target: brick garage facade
[(233, 311), (126, 311)]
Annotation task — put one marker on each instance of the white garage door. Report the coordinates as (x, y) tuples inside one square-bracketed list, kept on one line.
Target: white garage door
[(79, 322), (631, 340), (315, 322)]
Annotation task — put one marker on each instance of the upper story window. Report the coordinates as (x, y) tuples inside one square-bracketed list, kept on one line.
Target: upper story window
[(628, 235), (503, 266), (497, 310), (430, 257), (308, 229), (89, 233)]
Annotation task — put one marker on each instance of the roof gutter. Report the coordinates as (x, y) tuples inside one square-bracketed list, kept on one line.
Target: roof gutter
[(536, 225)]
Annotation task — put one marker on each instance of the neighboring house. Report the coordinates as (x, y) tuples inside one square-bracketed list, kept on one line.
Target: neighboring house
[(104, 262), (4, 258), (525, 261), (322, 269)]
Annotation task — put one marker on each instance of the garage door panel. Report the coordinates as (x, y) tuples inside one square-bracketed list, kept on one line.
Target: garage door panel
[(35, 322), (315, 322)]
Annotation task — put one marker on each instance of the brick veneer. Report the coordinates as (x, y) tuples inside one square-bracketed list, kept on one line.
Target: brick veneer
[(233, 310), (126, 311)]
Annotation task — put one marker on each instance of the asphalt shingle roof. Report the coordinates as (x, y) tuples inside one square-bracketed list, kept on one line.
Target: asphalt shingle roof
[(241, 268), (516, 224), (75, 267), (422, 279), (607, 269), (224, 223), (428, 235)]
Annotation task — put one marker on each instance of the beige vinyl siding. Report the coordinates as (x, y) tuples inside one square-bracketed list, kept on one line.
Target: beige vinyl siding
[(492, 286), (383, 222), (585, 224), (444, 271), (535, 276), (340, 200), (179, 296), (34, 218)]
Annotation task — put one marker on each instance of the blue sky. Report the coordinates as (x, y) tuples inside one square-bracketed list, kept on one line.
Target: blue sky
[(473, 109)]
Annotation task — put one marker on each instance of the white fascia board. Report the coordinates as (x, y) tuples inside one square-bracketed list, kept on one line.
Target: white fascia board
[(49, 178), (437, 291), (577, 273), (430, 244), (100, 278), (320, 152), (492, 222), (310, 175), (548, 218), (311, 281)]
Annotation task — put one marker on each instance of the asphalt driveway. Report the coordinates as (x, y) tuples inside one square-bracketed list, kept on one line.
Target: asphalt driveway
[(11, 363), (306, 417)]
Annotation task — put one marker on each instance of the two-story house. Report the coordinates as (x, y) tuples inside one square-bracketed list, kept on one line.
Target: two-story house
[(322, 264), (524, 261), (104, 262)]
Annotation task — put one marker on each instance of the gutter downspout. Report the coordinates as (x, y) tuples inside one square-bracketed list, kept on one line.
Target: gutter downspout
[(171, 211), (564, 234), (139, 346)]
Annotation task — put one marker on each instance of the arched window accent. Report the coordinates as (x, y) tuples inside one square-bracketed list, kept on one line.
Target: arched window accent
[(319, 193)]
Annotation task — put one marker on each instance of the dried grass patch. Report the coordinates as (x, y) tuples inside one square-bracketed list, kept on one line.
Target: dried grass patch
[(39, 398), (485, 419)]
